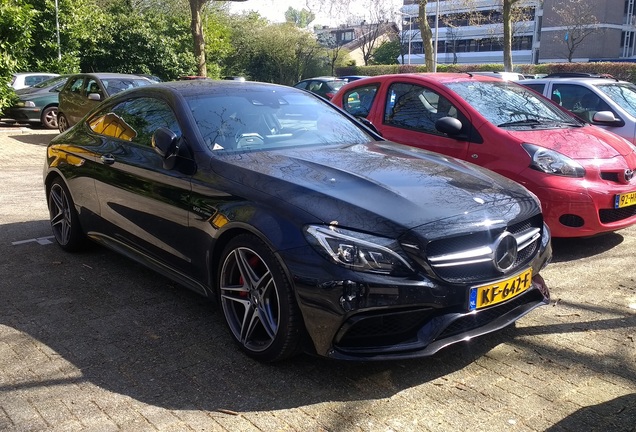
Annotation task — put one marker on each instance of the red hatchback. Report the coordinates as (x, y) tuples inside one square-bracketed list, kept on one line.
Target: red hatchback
[(583, 175)]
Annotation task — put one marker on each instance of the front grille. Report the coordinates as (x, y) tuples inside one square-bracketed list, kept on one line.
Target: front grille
[(615, 215), (446, 256), (609, 176)]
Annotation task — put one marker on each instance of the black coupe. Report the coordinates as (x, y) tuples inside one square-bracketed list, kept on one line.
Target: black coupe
[(313, 233)]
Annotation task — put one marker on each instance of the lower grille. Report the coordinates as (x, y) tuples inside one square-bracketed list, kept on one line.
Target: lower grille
[(615, 215), (384, 330)]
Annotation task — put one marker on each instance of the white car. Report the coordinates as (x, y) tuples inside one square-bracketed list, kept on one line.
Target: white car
[(28, 79), (601, 101)]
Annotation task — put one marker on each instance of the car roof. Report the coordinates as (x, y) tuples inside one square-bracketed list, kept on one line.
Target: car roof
[(577, 80), (189, 88), (103, 75), (439, 77)]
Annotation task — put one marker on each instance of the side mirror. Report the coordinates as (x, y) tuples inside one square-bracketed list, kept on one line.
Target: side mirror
[(365, 121), (166, 144), (604, 117), (94, 97), (449, 126)]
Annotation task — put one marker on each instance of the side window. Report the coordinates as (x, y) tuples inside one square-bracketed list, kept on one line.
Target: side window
[(93, 87), (359, 100), (301, 85), (536, 87), (580, 100), (76, 85), (411, 106), (135, 120)]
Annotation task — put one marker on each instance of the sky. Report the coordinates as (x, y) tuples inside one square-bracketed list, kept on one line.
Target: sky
[(274, 10)]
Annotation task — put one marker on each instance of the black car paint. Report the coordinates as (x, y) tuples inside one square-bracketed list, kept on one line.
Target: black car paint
[(178, 223)]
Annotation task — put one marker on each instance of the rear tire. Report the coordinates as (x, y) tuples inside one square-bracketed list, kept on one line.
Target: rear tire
[(64, 219), (257, 300), (49, 118)]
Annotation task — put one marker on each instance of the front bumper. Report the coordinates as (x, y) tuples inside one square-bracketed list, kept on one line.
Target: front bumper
[(362, 316), (27, 115)]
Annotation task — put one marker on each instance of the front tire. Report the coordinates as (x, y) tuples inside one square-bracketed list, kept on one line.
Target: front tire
[(257, 300), (62, 122), (64, 219)]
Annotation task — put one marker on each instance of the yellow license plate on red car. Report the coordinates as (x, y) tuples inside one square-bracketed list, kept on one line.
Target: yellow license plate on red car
[(488, 295), (625, 200)]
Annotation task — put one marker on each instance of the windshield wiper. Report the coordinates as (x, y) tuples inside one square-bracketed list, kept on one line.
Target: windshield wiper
[(520, 123)]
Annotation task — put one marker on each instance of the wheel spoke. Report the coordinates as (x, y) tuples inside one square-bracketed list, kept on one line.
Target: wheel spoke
[(267, 316)]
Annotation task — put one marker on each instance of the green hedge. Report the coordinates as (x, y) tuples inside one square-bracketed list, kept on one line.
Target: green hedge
[(623, 71)]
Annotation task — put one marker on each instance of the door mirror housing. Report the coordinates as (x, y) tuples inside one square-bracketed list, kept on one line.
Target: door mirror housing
[(449, 126)]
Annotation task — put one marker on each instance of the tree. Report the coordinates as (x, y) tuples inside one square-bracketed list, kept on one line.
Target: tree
[(387, 53), (507, 33), (16, 25), (333, 49), (579, 21), (196, 27), (300, 18), (427, 36)]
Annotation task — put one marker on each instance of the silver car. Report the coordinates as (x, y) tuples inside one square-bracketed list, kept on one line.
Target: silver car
[(601, 101)]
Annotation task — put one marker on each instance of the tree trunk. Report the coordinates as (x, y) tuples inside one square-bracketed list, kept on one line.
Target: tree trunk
[(507, 35), (196, 26), (427, 36)]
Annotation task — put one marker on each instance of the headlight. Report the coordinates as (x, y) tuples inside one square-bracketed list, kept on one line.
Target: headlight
[(358, 251), (28, 104), (552, 162)]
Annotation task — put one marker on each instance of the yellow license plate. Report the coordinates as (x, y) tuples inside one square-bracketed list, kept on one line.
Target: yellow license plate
[(625, 200), (487, 295)]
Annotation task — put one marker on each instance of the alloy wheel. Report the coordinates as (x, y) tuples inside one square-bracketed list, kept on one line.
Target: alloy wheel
[(60, 214)]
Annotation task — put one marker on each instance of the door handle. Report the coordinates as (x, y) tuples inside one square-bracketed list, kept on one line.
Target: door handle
[(108, 159)]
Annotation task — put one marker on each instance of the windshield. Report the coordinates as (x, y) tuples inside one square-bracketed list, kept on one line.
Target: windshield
[(623, 94), (51, 82), (271, 119), (507, 104)]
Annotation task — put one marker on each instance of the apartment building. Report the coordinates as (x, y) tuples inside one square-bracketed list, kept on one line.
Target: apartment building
[(544, 31)]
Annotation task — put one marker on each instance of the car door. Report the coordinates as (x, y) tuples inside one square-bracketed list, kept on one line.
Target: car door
[(71, 97), (407, 112), (144, 205)]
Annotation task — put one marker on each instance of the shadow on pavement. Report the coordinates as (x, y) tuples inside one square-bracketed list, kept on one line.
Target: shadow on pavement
[(570, 249), (41, 138), (616, 415), (130, 331)]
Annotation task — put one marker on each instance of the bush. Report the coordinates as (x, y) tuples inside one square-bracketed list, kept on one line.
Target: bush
[(623, 71)]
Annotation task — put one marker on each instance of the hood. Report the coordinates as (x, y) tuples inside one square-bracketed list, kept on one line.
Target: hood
[(380, 187), (587, 142), (28, 91)]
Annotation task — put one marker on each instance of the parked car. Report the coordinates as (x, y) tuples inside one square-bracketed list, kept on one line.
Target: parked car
[(83, 92), (312, 232), (601, 101), (38, 104), (325, 87), (583, 175), (512, 76), (27, 79)]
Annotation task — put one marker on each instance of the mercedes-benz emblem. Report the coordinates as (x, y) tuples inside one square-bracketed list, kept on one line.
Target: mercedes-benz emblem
[(505, 252)]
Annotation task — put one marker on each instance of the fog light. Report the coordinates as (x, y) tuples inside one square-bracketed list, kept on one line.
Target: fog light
[(572, 221)]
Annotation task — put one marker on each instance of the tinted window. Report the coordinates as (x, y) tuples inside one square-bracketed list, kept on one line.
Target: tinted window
[(536, 87), (504, 102), (580, 100), (116, 85), (134, 120), (415, 107), (359, 100), (266, 119), (623, 94), (75, 85)]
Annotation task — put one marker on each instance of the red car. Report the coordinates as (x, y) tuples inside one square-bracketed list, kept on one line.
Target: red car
[(583, 175)]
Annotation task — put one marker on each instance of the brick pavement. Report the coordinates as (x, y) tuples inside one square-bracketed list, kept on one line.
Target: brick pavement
[(93, 342)]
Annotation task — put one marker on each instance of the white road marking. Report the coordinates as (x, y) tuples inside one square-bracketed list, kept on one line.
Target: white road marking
[(40, 240)]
